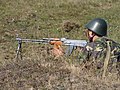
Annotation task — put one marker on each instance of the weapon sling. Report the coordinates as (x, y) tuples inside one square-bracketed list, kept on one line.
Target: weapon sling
[(107, 58)]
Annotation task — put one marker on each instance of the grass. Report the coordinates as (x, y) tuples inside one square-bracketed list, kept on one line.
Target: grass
[(44, 18)]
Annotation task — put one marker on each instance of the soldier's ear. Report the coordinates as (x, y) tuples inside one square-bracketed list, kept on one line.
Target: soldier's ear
[(93, 33)]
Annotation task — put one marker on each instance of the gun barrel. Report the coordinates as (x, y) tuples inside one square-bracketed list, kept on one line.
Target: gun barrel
[(31, 40)]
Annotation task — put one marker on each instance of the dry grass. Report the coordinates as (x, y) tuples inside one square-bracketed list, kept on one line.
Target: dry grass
[(50, 73), (39, 70)]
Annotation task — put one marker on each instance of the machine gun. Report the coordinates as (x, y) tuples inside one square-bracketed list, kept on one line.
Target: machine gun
[(67, 42)]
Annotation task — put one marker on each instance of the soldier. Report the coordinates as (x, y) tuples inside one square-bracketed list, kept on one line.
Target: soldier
[(100, 49)]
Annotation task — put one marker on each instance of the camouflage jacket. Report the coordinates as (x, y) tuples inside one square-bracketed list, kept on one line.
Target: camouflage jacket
[(97, 51)]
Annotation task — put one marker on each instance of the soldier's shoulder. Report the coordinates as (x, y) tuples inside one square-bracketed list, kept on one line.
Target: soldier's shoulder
[(97, 44), (104, 40), (113, 43), (100, 42)]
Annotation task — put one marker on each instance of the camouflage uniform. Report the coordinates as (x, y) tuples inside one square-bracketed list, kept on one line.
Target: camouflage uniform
[(96, 51)]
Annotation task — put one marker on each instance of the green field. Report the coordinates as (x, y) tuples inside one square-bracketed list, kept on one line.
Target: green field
[(37, 19)]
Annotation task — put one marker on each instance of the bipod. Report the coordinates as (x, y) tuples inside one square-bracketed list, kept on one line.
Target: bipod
[(19, 50)]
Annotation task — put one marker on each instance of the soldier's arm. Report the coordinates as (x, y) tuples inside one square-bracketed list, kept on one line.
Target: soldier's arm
[(93, 50)]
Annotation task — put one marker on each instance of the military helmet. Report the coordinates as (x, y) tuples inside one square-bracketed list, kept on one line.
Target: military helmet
[(98, 26)]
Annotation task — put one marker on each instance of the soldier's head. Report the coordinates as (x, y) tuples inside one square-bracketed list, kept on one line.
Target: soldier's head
[(96, 28)]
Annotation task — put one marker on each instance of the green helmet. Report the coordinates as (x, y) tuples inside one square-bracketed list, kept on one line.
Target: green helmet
[(98, 26)]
